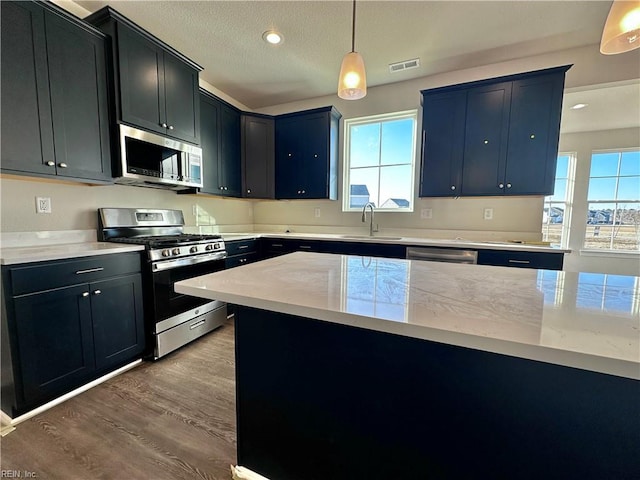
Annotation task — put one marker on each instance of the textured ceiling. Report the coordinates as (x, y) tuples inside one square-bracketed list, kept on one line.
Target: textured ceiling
[(225, 37)]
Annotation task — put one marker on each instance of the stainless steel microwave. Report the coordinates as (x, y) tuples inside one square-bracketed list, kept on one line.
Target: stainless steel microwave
[(151, 160)]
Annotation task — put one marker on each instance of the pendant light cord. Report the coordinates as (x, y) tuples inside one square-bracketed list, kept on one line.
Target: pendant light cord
[(353, 28)]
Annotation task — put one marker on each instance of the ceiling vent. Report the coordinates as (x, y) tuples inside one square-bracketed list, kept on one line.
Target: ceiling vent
[(405, 65)]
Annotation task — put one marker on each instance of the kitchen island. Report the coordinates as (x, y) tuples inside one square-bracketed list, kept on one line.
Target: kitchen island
[(359, 367)]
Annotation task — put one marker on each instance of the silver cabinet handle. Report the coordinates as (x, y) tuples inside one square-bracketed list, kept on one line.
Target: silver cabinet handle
[(170, 127), (242, 247), (62, 165), (163, 125), (197, 324), (276, 244), (89, 270), (85, 294), (453, 187), (501, 185), (248, 190), (306, 247), (520, 261), (97, 292), (50, 163), (508, 185)]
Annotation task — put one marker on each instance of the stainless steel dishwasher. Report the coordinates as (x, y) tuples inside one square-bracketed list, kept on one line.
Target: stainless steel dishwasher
[(435, 254)]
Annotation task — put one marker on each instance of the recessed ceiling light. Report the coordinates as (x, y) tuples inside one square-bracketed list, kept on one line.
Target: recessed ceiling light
[(578, 106), (272, 37)]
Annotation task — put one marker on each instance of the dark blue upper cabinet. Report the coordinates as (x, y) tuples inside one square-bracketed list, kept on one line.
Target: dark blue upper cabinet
[(156, 87), (53, 74), (492, 137), (307, 154)]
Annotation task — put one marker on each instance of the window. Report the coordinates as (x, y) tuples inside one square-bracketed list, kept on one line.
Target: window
[(613, 215), (379, 162), (557, 207)]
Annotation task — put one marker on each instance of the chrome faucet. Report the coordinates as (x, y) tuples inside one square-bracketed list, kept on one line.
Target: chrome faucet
[(364, 218)]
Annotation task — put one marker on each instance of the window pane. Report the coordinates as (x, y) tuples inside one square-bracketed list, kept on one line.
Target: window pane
[(365, 145), (626, 228), (397, 141), (590, 290), (602, 188), (365, 182), (559, 191), (553, 219), (604, 164), (562, 168), (395, 186), (630, 163), (629, 188), (599, 226)]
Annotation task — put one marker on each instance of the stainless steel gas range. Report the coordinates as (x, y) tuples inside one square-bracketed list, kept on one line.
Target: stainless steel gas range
[(171, 319)]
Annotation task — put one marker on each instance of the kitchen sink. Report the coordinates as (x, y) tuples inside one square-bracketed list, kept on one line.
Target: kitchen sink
[(370, 237)]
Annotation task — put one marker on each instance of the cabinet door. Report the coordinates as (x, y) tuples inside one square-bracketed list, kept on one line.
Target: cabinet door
[(533, 135), (258, 157), (230, 162), (27, 133), (314, 171), (141, 81), (289, 158), (443, 125), (181, 99), (486, 133), (77, 77), (210, 143), (55, 341), (118, 324)]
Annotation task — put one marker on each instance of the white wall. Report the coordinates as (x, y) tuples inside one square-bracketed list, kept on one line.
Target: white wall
[(583, 144)]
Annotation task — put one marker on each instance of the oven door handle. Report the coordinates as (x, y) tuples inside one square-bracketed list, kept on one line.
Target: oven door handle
[(181, 262)]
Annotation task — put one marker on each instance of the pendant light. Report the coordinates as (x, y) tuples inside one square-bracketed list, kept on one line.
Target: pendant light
[(622, 29), (352, 84)]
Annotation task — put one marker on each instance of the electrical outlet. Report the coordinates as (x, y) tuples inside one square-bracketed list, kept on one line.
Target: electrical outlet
[(316, 212), (426, 213), (43, 205), (488, 213), (194, 210)]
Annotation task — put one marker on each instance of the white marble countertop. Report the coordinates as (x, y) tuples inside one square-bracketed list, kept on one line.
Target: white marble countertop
[(398, 240), (581, 320), (41, 253)]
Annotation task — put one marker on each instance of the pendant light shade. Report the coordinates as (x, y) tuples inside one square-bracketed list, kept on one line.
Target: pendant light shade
[(352, 83), (622, 29)]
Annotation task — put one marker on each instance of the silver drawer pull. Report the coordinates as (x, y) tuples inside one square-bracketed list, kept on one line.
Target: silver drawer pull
[(197, 324), (89, 270), (97, 292), (85, 294), (305, 246), (62, 165), (276, 244), (242, 247), (519, 261)]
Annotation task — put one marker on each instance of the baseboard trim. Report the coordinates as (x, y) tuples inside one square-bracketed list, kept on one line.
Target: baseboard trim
[(8, 422)]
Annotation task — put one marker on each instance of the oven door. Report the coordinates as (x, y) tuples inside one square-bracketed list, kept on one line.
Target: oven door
[(167, 302)]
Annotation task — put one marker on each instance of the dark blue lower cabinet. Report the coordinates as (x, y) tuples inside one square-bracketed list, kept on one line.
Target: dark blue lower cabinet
[(318, 401), (506, 258), (57, 337)]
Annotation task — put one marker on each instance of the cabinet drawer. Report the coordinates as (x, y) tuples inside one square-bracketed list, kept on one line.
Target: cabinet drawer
[(238, 260), (504, 258), (238, 247), (45, 276)]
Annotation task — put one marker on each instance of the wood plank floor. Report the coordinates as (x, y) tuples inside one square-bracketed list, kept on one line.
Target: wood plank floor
[(171, 419)]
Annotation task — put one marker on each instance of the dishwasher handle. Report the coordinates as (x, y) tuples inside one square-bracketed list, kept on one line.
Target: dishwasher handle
[(442, 255)]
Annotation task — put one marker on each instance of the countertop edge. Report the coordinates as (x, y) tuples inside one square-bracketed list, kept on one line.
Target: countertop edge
[(19, 255), (567, 358)]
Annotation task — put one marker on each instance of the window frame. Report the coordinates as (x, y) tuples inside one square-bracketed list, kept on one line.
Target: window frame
[(616, 201), (568, 200), (346, 170)]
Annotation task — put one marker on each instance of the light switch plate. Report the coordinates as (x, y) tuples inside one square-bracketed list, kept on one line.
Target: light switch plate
[(43, 205), (488, 213), (316, 212)]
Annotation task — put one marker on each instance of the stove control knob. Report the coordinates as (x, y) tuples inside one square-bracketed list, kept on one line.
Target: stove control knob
[(193, 249), (209, 247), (216, 246), (166, 253), (175, 251)]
